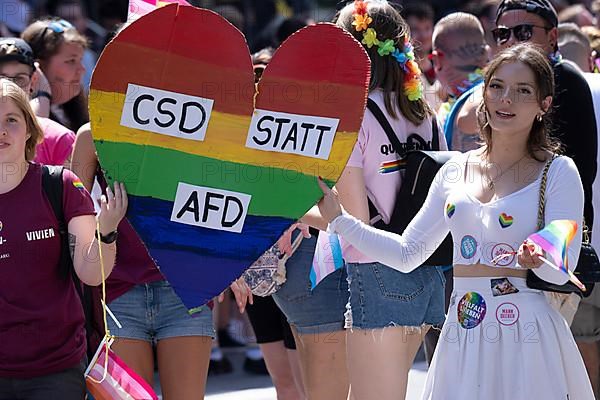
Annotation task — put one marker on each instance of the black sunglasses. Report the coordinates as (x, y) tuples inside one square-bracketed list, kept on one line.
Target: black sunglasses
[(522, 32)]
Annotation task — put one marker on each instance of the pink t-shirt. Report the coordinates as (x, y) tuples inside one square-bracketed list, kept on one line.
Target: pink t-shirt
[(41, 318), (382, 169), (57, 144)]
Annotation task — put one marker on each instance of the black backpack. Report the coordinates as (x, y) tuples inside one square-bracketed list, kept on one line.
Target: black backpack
[(90, 296), (421, 166)]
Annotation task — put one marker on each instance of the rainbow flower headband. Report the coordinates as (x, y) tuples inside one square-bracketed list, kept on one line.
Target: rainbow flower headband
[(413, 87)]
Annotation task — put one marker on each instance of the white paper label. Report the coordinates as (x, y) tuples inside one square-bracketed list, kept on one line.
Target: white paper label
[(210, 208), (292, 133), (166, 113)]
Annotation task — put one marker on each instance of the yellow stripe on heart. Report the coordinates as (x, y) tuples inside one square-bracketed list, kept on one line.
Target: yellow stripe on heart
[(225, 140)]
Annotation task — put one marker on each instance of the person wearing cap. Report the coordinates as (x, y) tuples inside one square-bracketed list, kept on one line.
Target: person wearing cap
[(17, 64), (574, 121)]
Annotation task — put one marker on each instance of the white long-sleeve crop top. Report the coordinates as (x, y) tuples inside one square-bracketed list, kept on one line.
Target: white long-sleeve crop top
[(480, 231)]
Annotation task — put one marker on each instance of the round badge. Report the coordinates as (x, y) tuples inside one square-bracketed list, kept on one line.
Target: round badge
[(471, 310), (501, 249), (1, 225), (468, 246), (507, 314)]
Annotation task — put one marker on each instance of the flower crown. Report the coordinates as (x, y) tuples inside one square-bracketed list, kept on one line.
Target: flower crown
[(413, 87)]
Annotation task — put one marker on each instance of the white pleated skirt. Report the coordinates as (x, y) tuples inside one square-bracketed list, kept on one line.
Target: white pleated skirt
[(513, 346)]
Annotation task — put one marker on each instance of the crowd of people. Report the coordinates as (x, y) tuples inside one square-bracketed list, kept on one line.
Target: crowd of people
[(511, 86)]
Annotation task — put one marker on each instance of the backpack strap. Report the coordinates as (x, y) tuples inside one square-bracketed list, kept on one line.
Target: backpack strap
[(389, 131), (374, 215), (435, 139), (52, 183), (385, 124)]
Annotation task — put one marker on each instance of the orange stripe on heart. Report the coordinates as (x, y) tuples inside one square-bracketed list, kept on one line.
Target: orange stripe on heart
[(505, 220)]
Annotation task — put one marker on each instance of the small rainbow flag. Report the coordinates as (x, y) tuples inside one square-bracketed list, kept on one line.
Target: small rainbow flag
[(78, 184), (138, 8), (391, 166), (328, 258), (554, 239)]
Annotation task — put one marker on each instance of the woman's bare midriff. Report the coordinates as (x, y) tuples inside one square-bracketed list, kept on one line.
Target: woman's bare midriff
[(481, 270)]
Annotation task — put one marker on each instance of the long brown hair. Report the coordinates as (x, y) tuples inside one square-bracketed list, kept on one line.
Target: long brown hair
[(10, 90), (386, 73), (533, 57)]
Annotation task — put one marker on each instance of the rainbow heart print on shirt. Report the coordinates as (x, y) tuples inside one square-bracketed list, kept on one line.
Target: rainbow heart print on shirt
[(450, 209), (215, 175), (505, 220)]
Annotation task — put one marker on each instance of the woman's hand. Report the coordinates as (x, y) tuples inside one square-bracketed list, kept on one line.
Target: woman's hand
[(241, 291), (112, 208), (285, 241), (329, 205), (529, 255)]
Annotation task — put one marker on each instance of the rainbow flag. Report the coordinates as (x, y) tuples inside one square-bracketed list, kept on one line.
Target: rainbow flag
[(391, 166), (328, 258), (554, 239), (109, 378), (138, 8)]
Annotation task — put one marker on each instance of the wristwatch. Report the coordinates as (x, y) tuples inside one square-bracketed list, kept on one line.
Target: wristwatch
[(108, 238), (41, 93)]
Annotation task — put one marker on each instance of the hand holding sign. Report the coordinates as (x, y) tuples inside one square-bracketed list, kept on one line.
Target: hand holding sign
[(215, 175)]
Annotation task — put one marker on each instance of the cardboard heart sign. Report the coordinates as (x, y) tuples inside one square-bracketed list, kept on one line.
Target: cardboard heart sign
[(215, 175)]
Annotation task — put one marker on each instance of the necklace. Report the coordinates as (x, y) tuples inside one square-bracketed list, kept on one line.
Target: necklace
[(490, 184)]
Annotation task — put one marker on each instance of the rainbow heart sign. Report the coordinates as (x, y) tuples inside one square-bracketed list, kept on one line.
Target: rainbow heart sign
[(215, 167)]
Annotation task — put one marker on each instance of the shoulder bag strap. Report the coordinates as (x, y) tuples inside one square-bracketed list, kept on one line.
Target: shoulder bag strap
[(542, 200)]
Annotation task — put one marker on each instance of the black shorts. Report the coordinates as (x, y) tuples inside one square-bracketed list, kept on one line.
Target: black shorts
[(64, 385), (269, 323)]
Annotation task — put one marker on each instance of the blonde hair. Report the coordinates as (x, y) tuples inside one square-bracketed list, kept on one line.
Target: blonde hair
[(10, 90)]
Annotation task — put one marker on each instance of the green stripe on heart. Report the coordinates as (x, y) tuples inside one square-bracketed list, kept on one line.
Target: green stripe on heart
[(159, 179)]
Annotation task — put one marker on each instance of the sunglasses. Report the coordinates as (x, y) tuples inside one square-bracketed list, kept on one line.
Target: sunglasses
[(522, 32)]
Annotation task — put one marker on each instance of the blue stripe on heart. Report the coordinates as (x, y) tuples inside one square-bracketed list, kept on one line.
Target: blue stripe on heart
[(221, 258)]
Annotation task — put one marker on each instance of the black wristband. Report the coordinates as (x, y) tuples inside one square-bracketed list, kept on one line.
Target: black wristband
[(108, 238), (41, 93)]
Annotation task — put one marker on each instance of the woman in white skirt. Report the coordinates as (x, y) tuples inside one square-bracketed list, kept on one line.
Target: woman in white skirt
[(501, 339)]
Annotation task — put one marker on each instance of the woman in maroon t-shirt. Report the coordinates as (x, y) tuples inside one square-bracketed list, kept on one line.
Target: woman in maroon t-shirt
[(148, 308), (42, 336)]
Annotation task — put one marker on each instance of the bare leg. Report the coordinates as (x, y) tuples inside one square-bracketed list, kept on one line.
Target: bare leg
[(137, 354), (183, 366), (294, 361), (379, 361), (276, 358), (591, 359), (323, 364)]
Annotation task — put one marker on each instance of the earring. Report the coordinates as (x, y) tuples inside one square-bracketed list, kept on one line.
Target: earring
[(539, 117)]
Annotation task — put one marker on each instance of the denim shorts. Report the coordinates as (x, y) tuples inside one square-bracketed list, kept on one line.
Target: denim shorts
[(153, 312), (381, 296), (312, 311)]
